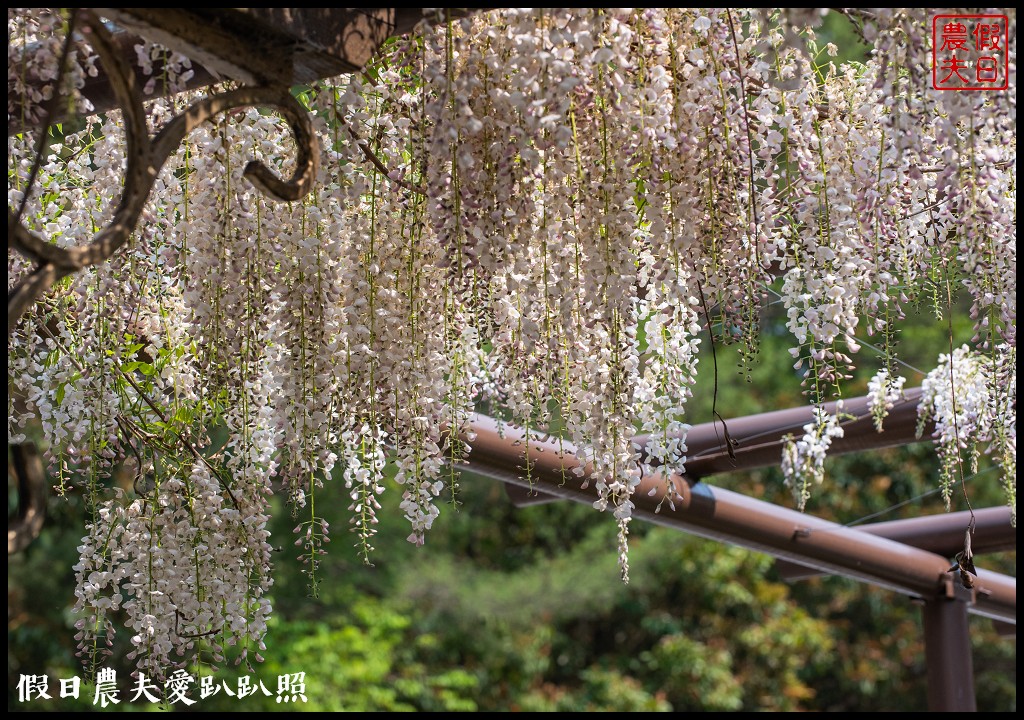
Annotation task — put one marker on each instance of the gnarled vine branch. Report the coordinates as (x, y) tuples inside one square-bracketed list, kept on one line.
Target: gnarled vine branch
[(145, 158)]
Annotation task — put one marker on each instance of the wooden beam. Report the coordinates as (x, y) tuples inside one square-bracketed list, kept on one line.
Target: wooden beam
[(256, 46), (265, 46)]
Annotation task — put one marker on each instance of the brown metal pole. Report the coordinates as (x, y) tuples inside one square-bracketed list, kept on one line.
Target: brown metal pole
[(730, 517), (940, 534), (1005, 630), (947, 649), (759, 438)]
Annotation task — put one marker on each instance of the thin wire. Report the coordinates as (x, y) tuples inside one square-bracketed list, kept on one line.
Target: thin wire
[(914, 499), (889, 509), (881, 353), (865, 343), (796, 424)]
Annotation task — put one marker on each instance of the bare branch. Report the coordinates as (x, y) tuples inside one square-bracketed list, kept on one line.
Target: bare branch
[(382, 169)]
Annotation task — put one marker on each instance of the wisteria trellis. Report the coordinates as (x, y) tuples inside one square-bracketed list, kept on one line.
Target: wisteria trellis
[(539, 209)]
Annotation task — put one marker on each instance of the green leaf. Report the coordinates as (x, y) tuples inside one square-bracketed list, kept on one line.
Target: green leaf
[(143, 367)]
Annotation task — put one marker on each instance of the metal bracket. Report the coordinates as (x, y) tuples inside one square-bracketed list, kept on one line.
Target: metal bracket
[(952, 588)]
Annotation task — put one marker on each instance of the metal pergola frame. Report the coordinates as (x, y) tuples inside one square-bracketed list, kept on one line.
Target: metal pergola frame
[(276, 48), (903, 555)]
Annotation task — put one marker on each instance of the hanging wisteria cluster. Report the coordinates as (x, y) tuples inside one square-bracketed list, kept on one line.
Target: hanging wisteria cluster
[(539, 210), (986, 394)]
